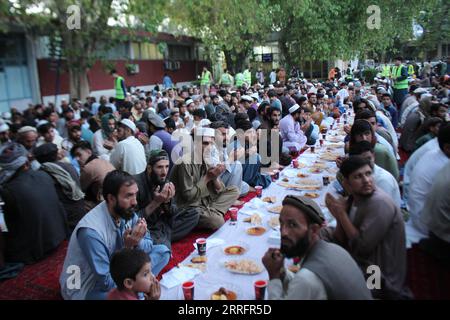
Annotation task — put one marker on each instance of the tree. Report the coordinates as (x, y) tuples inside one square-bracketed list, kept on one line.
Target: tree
[(233, 26), (327, 29), (84, 28)]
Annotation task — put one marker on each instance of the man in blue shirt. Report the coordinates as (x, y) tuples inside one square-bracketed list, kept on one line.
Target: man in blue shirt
[(167, 81), (391, 111), (109, 227)]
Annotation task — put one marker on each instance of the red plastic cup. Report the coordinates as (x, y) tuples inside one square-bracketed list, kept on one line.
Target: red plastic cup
[(321, 142), (201, 246), (295, 163), (188, 290), (260, 289), (259, 191), (233, 215)]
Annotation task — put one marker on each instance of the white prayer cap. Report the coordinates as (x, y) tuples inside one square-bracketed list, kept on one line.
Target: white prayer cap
[(4, 127), (41, 123), (189, 102), (204, 123), (205, 132), (420, 90), (255, 96), (294, 108), (26, 129), (247, 98), (130, 124), (271, 86)]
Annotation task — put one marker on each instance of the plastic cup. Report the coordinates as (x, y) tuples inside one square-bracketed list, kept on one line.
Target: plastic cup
[(188, 290), (259, 191), (233, 215), (313, 149), (260, 289), (326, 180), (201, 246)]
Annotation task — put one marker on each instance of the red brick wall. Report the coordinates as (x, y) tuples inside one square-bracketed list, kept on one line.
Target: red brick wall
[(150, 72)]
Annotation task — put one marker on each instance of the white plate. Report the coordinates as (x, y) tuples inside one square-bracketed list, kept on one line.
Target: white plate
[(254, 260), (235, 243)]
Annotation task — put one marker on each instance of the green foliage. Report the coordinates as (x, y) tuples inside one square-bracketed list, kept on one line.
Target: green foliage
[(369, 74)]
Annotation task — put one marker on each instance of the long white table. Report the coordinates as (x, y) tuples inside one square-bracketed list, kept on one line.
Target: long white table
[(216, 275)]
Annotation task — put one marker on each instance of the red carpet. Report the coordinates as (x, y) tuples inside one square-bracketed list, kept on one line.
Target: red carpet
[(426, 278)]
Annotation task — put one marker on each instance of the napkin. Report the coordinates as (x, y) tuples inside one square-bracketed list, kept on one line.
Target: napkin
[(257, 203), (178, 276), (211, 243)]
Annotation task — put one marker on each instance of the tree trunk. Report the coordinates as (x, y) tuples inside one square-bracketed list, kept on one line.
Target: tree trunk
[(79, 83), (235, 61)]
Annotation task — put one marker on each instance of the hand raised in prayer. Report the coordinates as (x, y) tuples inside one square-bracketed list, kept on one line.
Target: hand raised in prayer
[(154, 291), (339, 161), (273, 260), (214, 173), (162, 195), (347, 128), (132, 237), (336, 206)]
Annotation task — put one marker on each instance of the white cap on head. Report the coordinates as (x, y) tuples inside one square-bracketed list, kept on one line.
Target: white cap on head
[(420, 90), (294, 108), (189, 102), (255, 96), (26, 129), (247, 98), (205, 132), (130, 124), (4, 127)]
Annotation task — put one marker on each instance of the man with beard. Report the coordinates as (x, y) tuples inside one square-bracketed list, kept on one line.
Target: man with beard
[(327, 270), (165, 221), (272, 128), (110, 226), (199, 185), (291, 133), (370, 226)]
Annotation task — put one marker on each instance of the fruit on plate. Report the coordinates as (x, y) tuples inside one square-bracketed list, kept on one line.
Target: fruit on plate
[(223, 294), (256, 231), (234, 250)]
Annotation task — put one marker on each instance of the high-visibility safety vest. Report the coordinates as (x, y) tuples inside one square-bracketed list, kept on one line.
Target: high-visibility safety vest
[(239, 79), (386, 71), (206, 75), (118, 86), (226, 79), (410, 70), (248, 77), (397, 72)]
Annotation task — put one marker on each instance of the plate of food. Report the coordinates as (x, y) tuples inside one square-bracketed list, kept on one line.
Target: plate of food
[(243, 266), (256, 231), (274, 223), (271, 199), (312, 195), (332, 146), (235, 249), (223, 294), (302, 175), (335, 139), (329, 156), (285, 179), (319, 165), (276, 209), (315, 170), (199, 259), (254, 219), (199, 266)]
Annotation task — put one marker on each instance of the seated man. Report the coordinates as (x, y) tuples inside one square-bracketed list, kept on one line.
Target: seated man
[(435, 216), (383, 179), (422, 179), (232, 176), (370, 226), (67, 182), (165, 221), (199, 184), (110, 226), (251, 163), (92, 173), (327, 270), (35, 218), (293, 137)]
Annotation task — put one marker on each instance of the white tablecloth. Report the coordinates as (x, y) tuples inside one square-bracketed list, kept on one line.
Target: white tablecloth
[(216, 275)]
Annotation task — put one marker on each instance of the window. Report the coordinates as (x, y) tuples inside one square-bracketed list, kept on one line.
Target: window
[(177, 52), (146, 51)]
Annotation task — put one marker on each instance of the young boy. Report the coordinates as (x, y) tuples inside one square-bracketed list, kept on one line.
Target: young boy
[(131, 271)]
